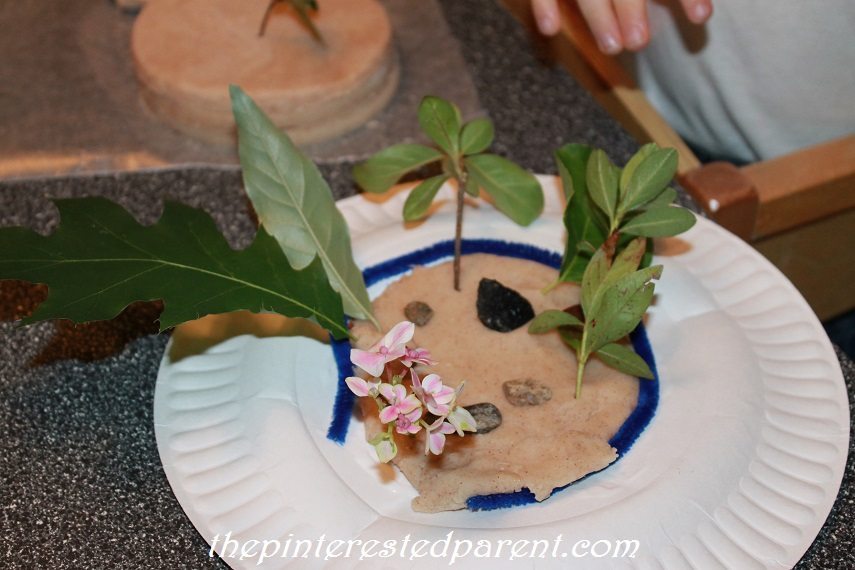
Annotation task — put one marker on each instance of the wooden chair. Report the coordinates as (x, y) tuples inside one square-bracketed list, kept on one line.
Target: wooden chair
[(798, 210)]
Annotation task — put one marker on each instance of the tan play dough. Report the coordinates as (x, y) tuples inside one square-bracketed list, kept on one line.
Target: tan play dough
[(187, 52), (539, 447)]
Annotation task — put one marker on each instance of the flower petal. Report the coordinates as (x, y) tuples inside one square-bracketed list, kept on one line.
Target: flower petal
[(371, 362), (386, 450), (399, 335), (388, 414), (436, 442), (408, 404), (388, 392), (358, 386), (462, 420), (432, 383)]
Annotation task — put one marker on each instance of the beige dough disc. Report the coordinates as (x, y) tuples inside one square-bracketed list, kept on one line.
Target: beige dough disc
[(187, 52)]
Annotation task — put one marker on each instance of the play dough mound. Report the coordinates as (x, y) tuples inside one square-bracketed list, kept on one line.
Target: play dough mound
[(187, 53), (542, 443)]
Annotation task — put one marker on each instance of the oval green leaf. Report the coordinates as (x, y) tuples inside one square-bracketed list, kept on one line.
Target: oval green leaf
[(440, 120), (602, 182), (622, 358), (653, 174), (661, 221), (384, 169), (515, 192), (421, 196), (477, 136), (552, 319)]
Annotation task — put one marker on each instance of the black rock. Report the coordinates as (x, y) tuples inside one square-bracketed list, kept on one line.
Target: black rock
[(418, 313), (487, 416), (501, 308)]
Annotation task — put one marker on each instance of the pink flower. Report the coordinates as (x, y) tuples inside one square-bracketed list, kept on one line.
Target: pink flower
[(409, 423), (361, 387), (436, 397), (417, 356), (400, 404), (389, 348), (435, 440)]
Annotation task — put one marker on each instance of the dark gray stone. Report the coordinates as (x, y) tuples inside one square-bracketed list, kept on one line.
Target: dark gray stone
[(487, 416)]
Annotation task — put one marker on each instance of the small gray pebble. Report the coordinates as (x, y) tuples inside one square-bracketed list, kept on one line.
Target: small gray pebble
[(526, 392), (487, 416), (418, 313)]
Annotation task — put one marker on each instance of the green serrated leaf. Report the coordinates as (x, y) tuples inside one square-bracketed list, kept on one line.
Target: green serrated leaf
[(515, 192), (602, 179), (384, 169), (624, 359), (648, 180), (633, 163), (477, 136), (440, 120), (421, 196), (101, 259), (620, 307), (552, 319), (660, 222), (295, 204)]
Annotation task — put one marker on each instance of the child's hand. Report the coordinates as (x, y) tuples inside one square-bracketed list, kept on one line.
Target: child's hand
[(617, 24)]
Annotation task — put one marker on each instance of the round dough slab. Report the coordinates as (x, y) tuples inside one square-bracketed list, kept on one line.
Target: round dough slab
[(187, 52)]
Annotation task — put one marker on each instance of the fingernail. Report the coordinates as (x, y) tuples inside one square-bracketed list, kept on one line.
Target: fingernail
[(609, 44), (547, 25), (635, 38), (700, 12)]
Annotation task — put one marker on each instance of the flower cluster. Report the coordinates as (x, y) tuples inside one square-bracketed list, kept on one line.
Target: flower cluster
[(407, 403)]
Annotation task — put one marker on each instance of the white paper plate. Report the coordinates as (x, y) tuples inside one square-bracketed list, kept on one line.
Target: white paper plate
[(738, 469)]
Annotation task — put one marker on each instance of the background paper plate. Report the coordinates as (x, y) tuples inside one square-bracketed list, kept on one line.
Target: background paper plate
[(738, 469)]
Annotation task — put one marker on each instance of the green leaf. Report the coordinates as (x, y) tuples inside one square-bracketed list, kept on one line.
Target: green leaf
[(440, 120), (602, 181), (515, 192), (665, 198), (594, 275), (621, 307), (295, 205), (648, 180), (421, 196), (477, 136), (623, 358), (632, 164), (660, 222), (583, 221), (384, 169), (626, 261), (552, 319), (101, 259)]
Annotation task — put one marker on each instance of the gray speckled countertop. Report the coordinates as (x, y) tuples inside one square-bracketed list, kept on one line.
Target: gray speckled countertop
[(81, 485)]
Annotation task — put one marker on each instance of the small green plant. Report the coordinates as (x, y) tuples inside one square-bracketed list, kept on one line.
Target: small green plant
[(461, 151), (302, 8), (610, 216), (608, 206)]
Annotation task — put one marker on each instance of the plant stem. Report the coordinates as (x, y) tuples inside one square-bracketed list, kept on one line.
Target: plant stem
[(610, 245), (581, 358), (458, 228)]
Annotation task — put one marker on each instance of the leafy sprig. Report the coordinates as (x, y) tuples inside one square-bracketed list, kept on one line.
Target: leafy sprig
[(614, 298), (461, 151), (608, 206)]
